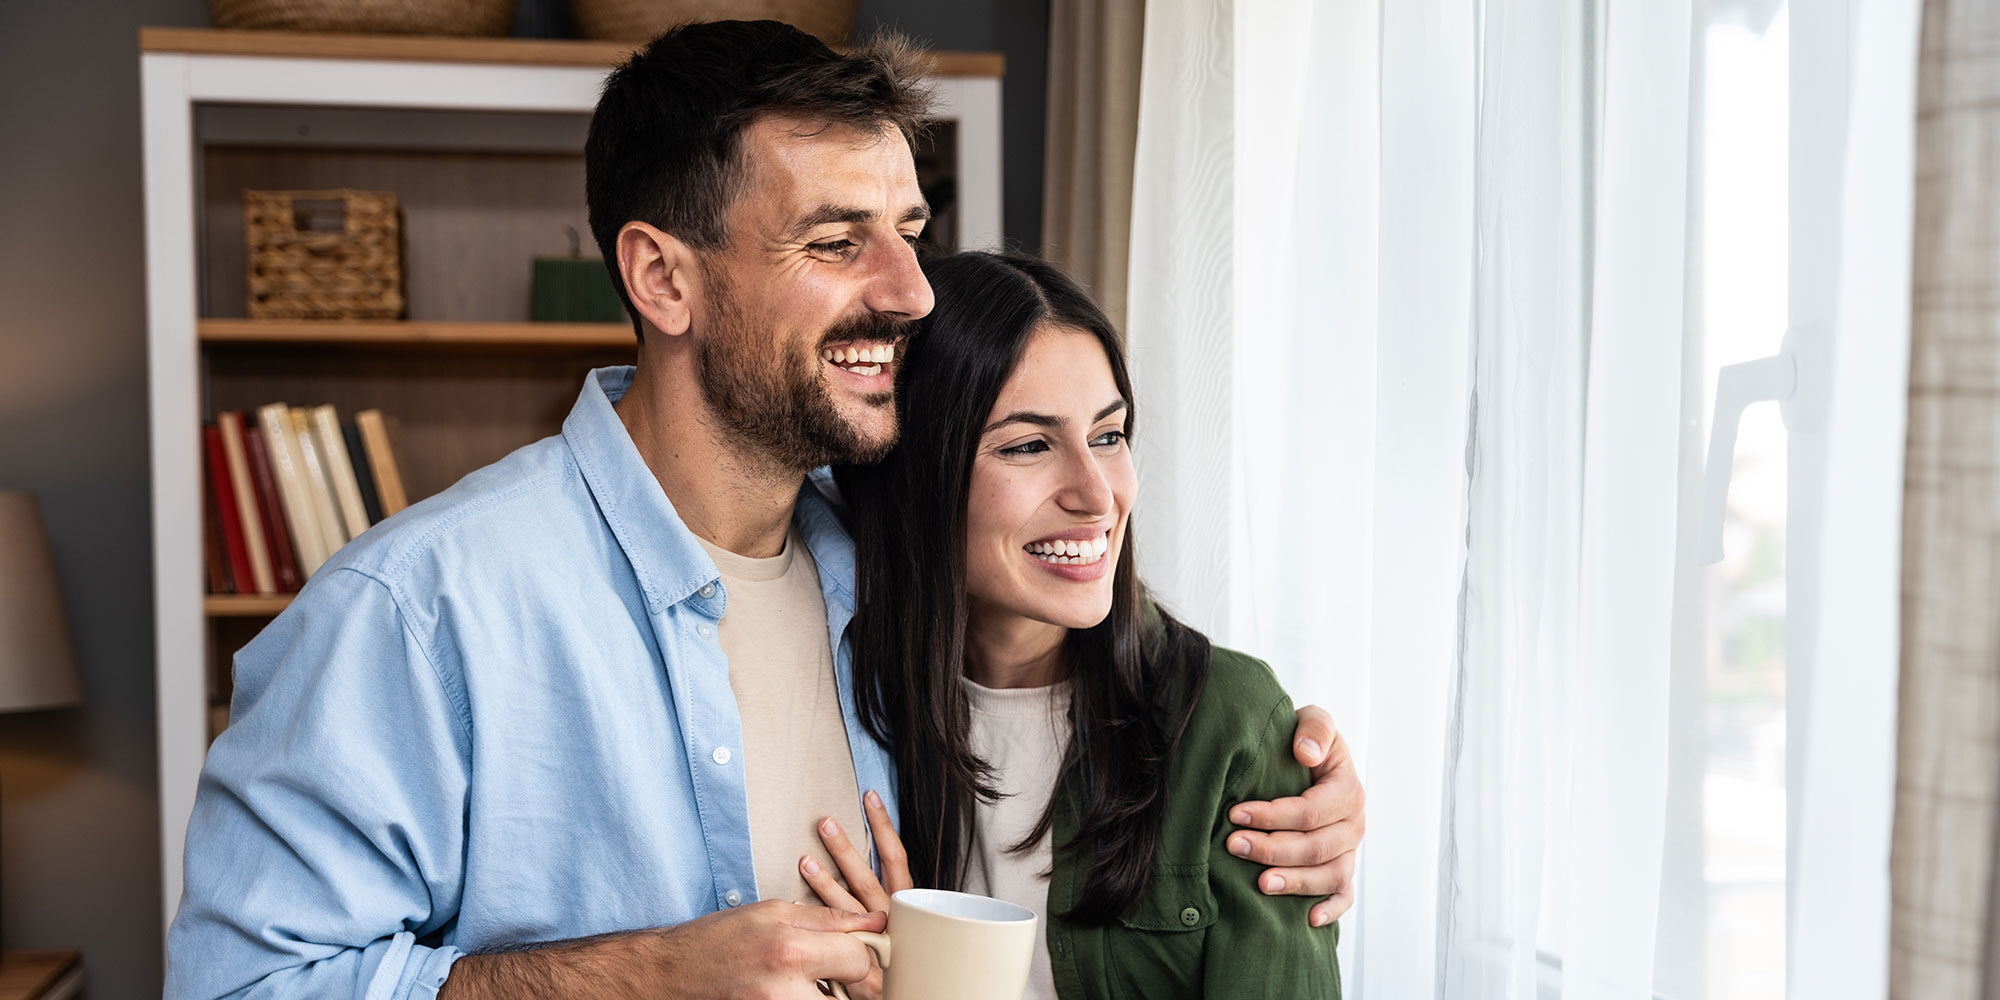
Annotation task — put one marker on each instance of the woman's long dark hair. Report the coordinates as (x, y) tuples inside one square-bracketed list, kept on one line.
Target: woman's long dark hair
[(1133, 687)]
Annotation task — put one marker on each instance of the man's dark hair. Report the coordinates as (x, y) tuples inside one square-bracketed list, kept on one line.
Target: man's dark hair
[(665, 145)]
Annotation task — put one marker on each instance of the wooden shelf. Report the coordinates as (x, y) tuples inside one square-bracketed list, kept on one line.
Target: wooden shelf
[(506, 51), (245, 605), (398, 333), (40, 975)]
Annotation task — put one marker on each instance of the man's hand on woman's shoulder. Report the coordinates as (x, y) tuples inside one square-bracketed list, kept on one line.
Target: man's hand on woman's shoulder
[(1307, 842)]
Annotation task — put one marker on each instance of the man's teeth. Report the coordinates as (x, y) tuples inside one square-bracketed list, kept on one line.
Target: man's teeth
[(865, 354), (1071, 551)]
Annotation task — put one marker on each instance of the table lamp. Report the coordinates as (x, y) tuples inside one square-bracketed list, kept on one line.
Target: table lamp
[(37, 663)]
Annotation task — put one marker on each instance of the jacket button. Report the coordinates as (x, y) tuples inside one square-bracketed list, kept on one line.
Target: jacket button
[(1190, 917)]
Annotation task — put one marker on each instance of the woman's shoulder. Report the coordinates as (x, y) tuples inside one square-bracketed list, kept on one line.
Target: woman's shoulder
[(1242, 709), (1241, 682), (1236, 683)]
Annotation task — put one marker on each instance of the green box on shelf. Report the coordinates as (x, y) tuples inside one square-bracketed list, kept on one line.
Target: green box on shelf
[(574, 290)]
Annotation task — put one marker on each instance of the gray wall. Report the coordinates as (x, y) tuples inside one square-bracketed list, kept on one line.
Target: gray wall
[(1020, 30), (79, 828)]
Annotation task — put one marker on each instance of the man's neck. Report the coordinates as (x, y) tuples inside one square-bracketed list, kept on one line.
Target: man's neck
[(727, 494), (1006, 650)]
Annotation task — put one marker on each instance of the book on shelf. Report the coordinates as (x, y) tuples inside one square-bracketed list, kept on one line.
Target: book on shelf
[(227, 512), (333, 534), (277, 534), (262, 579), (296, 482), (364, 474), (382, 461), (289, 469), (339, 470), (211, 534)]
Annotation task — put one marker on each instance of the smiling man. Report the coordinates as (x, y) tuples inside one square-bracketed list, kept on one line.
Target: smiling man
[(566, 728)]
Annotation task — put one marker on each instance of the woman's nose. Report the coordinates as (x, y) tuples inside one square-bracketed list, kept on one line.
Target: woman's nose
[(1086, 490)]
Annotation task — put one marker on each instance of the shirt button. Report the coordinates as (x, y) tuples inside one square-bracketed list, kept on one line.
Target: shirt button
[(721, 755), (708, 590), (732, 897), (1190, 917), (704, 630)]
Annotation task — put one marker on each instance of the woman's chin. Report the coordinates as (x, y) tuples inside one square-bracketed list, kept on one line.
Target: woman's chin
[(1072, 613)]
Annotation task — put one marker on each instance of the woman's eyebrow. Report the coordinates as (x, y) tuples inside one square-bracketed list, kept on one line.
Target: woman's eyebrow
[(1025, 417), (1045, 420)]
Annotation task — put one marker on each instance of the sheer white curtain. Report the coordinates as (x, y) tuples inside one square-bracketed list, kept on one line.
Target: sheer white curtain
[(1406, 298)]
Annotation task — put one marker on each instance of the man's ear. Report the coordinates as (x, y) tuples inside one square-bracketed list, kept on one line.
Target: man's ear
[(660, 273)]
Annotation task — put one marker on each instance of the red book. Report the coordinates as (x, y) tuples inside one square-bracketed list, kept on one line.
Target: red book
[(225, 505), (283, 560), (211, 539)]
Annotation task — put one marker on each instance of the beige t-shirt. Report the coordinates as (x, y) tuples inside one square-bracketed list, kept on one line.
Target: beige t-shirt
[(1021, 733), (797, 765)]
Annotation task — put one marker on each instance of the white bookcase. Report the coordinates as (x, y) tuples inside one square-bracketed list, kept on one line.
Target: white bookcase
[(450, 122)]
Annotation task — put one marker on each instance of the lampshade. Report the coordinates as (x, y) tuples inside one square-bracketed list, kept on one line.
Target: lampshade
[(37, 662)]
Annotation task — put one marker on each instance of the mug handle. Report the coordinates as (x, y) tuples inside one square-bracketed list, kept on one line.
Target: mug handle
[(877, 943)]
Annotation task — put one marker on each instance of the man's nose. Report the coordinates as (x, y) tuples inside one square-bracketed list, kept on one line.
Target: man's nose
[(898, 286)]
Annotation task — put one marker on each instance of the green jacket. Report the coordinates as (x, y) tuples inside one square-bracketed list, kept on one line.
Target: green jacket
[(1202, 928)]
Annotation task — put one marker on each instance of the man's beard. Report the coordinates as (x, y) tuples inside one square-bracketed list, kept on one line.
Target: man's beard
[(775, 398)]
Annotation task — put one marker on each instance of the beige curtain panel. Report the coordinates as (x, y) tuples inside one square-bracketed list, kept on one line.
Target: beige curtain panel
[(1093, 128), (1948, 763)]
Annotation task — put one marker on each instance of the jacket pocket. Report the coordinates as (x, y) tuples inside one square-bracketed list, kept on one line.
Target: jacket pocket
[(1160, 947), (1178, 899)]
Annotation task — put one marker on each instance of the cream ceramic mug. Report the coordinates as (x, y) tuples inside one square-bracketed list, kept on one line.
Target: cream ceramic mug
[(952, 946)]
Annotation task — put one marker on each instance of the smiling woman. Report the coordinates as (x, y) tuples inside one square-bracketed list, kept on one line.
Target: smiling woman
[(1063, 743)]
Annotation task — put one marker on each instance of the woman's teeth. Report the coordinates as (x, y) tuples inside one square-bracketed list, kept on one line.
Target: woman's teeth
[(865, 359), (1071, 551)]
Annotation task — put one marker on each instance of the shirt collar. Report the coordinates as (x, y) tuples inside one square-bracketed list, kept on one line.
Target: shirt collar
[(665, 555), (832, 547)]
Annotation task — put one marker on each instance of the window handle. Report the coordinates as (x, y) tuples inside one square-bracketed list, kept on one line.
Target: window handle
[(1775, 378)]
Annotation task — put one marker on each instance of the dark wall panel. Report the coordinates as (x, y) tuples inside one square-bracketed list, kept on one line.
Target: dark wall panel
[(79, 826)]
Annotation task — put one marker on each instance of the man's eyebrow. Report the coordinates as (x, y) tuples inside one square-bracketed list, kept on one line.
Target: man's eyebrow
[(830, 213), (1045, 420)]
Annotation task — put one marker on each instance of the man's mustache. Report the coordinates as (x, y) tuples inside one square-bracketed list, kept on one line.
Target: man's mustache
[(873, 328)]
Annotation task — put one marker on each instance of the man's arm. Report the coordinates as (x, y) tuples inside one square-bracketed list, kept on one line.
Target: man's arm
[(1308, 841), (771, 951), (328, 828)]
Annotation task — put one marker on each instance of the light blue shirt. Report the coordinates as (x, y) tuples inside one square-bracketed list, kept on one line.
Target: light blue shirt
[(500, 717)]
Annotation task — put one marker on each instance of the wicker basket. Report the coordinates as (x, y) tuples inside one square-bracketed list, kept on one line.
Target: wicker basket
[(641, 20), (390, 17), (323, 254)]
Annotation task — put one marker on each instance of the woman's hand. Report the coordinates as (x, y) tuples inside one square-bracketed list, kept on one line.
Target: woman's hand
[(864, 893)]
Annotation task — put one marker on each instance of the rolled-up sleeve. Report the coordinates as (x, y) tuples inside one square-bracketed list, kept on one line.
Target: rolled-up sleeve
[(329, 829)]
